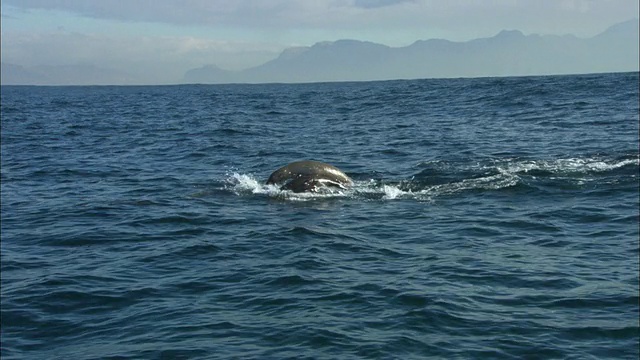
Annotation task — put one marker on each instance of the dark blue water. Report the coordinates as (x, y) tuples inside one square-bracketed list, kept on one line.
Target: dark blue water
[(490, 218)]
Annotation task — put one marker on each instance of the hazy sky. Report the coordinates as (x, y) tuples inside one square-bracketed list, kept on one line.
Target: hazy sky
[(164, 38)]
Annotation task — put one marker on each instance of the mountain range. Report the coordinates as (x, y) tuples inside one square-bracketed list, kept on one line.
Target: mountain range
[(509, 53)]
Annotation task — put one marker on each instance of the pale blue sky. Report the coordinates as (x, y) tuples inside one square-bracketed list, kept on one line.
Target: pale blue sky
[(171, 36)]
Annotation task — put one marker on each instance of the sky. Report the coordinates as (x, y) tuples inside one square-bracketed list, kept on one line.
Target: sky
[(161, 39)]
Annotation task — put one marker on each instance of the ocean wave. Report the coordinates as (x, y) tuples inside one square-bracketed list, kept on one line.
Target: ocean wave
[(567, 166), (246, 184), (438, 179)]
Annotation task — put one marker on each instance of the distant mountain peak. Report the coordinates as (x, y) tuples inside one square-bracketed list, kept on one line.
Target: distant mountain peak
[(629, 27), (323, 43), (346, 43), (509, 35), (293, 52)]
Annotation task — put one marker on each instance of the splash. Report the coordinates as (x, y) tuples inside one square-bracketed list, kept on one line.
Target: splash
[(392, 192), (245, 184), (248, 185), (569, 165), (492, 175)]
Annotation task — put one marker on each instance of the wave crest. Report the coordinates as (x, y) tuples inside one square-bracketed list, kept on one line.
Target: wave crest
[(445, 179)]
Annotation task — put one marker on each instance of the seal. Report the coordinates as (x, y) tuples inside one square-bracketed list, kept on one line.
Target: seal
[(309, 176)]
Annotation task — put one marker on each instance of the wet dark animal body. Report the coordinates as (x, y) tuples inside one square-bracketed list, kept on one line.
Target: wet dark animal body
[(309, 176)]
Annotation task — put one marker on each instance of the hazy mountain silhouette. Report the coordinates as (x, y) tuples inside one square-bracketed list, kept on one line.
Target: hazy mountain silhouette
[(509, 53), (81, 74)]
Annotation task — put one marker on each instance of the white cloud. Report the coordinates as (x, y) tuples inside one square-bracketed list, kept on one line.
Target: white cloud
[(464, 18)]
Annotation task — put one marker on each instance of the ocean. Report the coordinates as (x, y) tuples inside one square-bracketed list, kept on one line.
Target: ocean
[(491, 218)]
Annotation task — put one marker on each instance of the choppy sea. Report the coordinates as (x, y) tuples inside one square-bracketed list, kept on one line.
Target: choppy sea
[(490, 218)]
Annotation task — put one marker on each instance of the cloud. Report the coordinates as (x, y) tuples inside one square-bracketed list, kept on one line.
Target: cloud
[(291, 15), (181, 12)]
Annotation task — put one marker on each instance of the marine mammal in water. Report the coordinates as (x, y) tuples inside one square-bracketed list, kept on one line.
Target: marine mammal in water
[(307, 175)]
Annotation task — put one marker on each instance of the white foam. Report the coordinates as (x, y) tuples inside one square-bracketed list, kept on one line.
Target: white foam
[(499, 174), (493, 182), (243, 184), (393, 192), (565, 165), (247, 184)]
